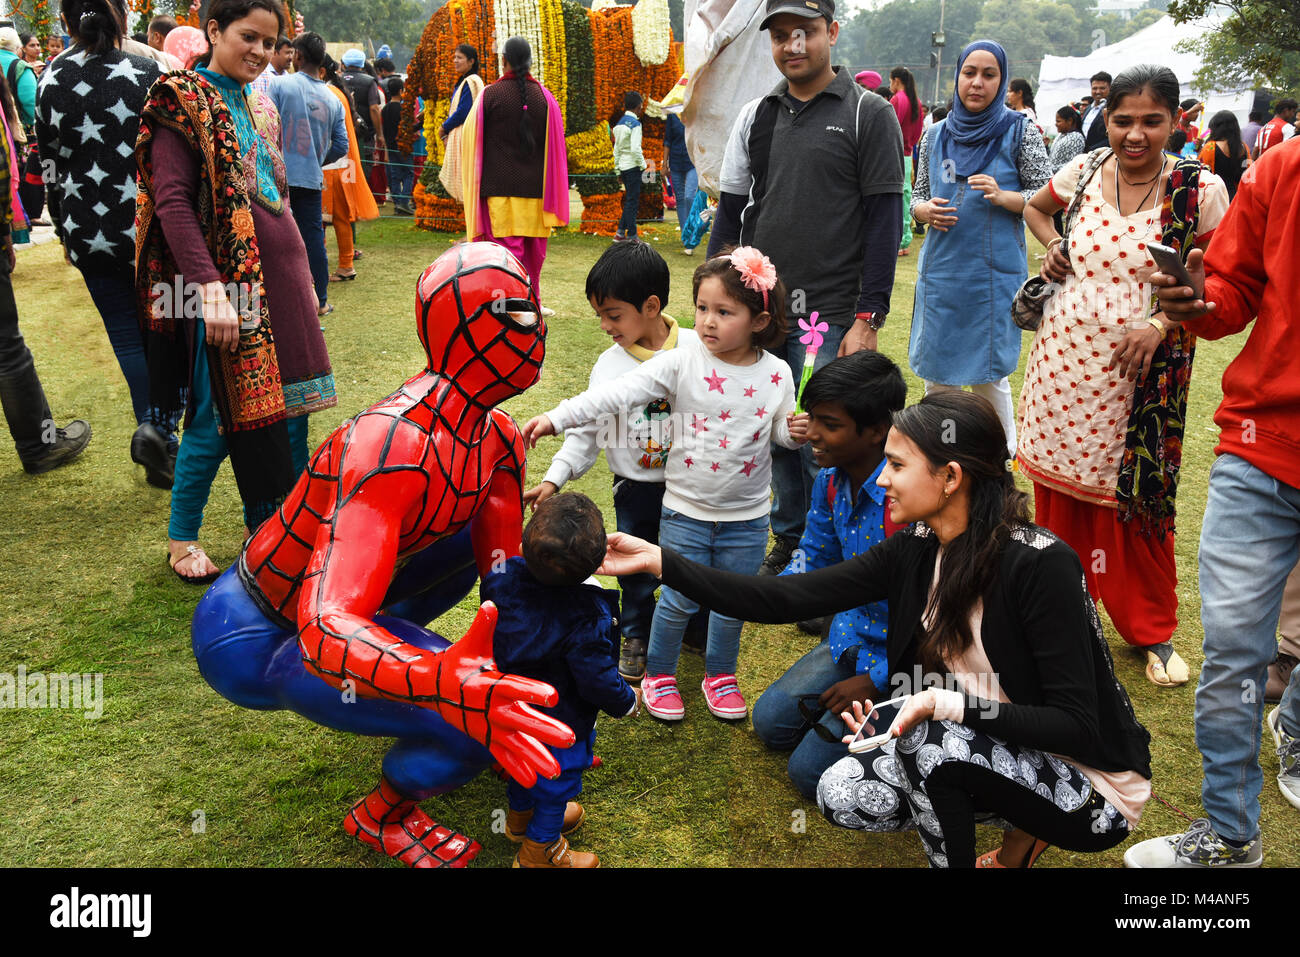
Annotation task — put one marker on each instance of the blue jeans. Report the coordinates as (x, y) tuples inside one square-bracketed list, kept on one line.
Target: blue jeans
[(631, 200), (1250, 540), (401, 177), (114, 297), (685, 184), (731, 546), (306, 207), (793, 470), (779, 725)]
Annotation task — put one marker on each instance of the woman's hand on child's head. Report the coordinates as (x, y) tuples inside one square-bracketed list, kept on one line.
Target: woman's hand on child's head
[(628, 555), (538, 494), (535, 428), (798, 423)]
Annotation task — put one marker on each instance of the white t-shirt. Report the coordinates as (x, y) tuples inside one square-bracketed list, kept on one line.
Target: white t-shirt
[(724, 416), (638, 449)]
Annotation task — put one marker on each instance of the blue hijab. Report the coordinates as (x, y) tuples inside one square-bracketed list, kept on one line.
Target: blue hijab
[(970, 139)]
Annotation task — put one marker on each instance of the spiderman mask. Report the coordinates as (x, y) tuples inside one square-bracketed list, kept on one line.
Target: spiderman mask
[(479, 322)]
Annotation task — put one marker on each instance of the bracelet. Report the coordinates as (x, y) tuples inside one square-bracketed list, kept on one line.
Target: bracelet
[(1053, 242), (1159, 326)]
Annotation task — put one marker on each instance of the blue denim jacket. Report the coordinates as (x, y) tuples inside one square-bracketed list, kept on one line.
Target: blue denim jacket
[(834, 532)]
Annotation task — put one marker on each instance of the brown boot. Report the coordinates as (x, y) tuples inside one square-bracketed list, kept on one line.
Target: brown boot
[(556, 854), (517, 821), (1279, 676)]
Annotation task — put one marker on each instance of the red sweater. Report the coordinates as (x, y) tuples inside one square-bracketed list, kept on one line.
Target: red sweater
[(1250, 270)]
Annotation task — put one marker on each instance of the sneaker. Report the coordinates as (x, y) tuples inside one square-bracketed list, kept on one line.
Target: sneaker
[(779, 556), (722, 695), (631, 663), (689, 252), (661, 698), (1288, 756), (1279, 675), (1199, 846), (68, 444)]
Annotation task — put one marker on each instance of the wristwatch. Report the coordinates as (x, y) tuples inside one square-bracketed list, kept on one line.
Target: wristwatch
[(875, 321)]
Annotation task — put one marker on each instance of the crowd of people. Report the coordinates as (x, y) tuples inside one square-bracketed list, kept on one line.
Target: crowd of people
[(957, 613)]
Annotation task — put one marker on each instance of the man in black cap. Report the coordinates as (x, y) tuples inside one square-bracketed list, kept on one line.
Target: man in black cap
[(813, 176)]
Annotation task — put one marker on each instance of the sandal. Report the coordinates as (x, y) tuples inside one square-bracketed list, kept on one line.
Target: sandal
[(1167, 670), (991, 859), (343, 277), (191, 552), (325, 310)]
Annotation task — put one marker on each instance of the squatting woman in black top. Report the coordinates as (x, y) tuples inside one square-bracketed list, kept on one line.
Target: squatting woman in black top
[(1014, 711)]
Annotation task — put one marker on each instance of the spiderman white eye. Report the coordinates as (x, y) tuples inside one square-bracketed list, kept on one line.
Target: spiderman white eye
[(528, 318)]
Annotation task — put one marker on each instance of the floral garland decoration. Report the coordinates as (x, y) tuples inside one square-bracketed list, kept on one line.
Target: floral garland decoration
[(580, 55), (600, 213), (611, 34), (553, 54), (41, 20), (590, 152), (652, 34)]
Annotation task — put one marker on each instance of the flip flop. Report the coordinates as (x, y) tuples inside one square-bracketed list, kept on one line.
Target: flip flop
[(191, 551), (991, 859), (1169, 675), (339, 277), (322, 313)]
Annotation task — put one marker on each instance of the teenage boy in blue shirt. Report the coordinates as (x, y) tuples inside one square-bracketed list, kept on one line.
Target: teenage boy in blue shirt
[(849, 403)]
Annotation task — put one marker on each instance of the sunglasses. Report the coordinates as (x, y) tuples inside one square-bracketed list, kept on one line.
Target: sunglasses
[(812, 711)]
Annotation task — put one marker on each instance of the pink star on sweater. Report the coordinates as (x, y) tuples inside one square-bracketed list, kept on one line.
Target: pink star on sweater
[(757, 433), (715, 466), (726, 414), (776, 378), (697, 423), (749, 466), (749, 393), (762, 411), (688, 461), (722, 442), (715, 381)]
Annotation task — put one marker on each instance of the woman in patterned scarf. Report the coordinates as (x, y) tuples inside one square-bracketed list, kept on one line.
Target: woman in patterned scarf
[(1106, 383), (212, 233)]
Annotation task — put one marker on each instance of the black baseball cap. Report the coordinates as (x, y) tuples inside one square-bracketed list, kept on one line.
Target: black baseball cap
[(802, 8)]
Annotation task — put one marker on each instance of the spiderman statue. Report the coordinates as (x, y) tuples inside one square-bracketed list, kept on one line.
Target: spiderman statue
[(401, 510)]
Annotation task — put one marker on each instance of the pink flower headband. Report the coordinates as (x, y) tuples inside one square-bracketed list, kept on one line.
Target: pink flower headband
[(756, 270)]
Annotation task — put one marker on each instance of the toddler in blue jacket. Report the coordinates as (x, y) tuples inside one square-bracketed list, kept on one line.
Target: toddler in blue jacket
[(557, 624)]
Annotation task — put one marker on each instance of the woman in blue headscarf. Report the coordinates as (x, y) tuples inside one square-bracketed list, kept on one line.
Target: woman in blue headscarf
[(976, 169)]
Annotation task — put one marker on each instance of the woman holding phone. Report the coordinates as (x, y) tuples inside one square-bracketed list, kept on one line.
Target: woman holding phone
[(1028, 724), (1105, 393)]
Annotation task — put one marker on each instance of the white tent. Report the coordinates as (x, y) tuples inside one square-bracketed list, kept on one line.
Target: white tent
[(1064, 79)]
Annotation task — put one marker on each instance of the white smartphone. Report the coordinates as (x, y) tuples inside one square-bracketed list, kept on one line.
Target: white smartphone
[(1170, 263), (860, 744)]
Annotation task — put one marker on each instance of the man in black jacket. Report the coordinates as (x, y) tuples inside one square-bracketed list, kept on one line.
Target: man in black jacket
[(1094, 121)]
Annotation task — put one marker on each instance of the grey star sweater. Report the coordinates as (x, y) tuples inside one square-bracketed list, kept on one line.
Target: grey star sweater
[(87, 116)]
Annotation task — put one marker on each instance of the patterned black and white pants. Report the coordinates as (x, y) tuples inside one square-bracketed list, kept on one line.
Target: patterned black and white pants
[(941, 778)]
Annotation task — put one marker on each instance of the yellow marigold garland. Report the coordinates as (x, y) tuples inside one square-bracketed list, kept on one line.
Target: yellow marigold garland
[(552, 53), (590, 152)]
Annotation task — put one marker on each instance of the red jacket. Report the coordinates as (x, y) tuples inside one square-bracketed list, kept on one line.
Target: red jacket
[(1250, 271)]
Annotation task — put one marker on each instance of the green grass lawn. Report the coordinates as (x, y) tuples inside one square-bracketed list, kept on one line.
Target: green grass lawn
[(173, 774)]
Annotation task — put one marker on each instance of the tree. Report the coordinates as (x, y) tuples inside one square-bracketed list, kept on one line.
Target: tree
[(395, 22), (1256, 44), (1028, 30)]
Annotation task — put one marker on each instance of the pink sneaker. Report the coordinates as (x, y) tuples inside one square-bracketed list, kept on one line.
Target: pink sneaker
[(661, 697), (722, 695)]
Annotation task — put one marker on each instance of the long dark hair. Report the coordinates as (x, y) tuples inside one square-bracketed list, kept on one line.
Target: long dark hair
[(519, 57), (95, 25), (11, 113), (961, 427), (1020, 85), (1225, 128), (1159, 81), (1071, 116), (904, 76), (226, 12), (470, 52)]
